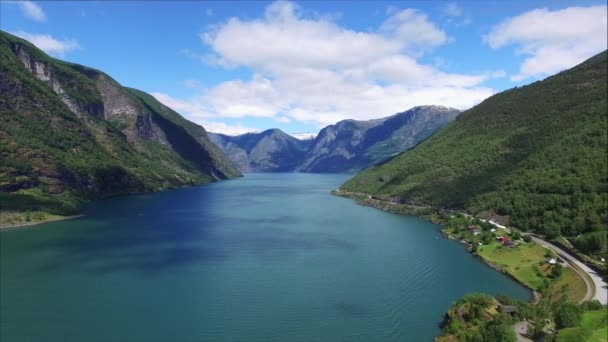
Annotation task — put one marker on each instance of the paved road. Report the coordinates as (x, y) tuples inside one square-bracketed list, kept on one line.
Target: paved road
[(521, 329), (601, 288)]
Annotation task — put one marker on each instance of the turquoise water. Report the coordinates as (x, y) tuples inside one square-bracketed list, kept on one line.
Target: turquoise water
[(269, 257)]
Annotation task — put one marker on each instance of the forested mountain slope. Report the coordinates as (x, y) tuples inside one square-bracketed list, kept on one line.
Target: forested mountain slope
[(70, 133), (533, 155)]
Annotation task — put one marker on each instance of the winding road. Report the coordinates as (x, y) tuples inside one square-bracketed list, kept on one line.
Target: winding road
[(598, 289)]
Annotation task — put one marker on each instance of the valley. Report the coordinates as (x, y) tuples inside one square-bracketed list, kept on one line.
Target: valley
[(452, 185)]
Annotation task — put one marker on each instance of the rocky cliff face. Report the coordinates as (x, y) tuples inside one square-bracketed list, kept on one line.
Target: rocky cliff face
[(72, 131), (347, 146), (351, 145), (43, 71)]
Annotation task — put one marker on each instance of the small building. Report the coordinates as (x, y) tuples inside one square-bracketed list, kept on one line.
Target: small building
[(476, 231), (552, 261), (493, 230), (471, 228), (508, 243), (508, 309)]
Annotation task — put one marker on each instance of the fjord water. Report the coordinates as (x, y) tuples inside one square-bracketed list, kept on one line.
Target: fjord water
[(268, 257)]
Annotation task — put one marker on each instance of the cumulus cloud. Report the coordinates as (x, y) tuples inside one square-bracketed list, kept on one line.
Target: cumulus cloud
[(49, 44), (30, 9), (413, 29), (552, 40), (198, 110), (310, 69)]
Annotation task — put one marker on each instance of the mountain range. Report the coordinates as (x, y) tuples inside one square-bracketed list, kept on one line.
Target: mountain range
[(69, 133), (347, 146), (532, 156), (272, 150)]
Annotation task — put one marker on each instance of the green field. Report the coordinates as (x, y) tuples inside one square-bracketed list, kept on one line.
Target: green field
[(575, 286), (593, 328), (520, 261), (526, 264)]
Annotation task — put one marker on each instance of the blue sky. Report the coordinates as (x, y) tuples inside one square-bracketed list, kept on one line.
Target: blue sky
[(242, 66)]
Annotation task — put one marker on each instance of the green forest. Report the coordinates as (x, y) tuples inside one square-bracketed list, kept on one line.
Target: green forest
[(534, 156)]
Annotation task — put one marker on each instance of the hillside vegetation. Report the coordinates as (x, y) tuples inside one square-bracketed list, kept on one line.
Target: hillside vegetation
[(479, 317), (69, 133), (534, 157)]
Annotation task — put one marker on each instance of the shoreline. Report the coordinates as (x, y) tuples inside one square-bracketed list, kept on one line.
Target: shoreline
[(417, 211), (36, 223), (535, 294), (425, 213), (4, 227)]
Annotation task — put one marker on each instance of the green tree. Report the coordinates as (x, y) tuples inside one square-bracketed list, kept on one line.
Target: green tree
[(557, 271), (498, 330), (567, 315)]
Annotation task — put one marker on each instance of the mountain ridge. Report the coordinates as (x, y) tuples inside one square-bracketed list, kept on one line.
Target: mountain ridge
[(531, 156), (347, 146), (271, 150), (71, 133)]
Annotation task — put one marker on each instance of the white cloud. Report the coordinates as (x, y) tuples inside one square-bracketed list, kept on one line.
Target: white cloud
[(310, 69), (282, 37), (49, 44), (232, 99), (454, 15), (553, 40), (30, 9), (223, 128), (452, 10), (413, 29), (282, 119)]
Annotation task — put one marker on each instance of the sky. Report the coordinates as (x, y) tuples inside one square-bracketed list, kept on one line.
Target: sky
[(245, 66)]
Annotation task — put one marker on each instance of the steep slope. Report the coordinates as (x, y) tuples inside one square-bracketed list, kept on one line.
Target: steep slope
[(352, 145), (70, 133), (272, 150), (533, 156)]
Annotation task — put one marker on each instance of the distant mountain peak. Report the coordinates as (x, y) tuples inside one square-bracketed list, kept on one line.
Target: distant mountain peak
[(348, 145)]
